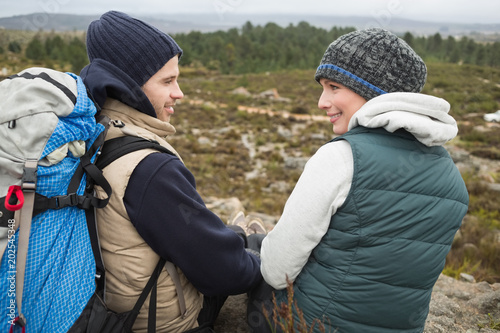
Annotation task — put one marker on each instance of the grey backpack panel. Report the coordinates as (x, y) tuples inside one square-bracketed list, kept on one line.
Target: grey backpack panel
[(29, 111)]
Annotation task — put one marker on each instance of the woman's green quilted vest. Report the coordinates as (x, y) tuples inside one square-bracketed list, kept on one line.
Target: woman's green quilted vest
[(386, 246)]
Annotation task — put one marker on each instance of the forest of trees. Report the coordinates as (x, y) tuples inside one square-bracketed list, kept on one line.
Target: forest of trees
[(301, 46), (260, 48), (51, 49)]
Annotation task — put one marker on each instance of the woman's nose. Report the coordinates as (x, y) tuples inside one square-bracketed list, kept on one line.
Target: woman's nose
[(323, 102)]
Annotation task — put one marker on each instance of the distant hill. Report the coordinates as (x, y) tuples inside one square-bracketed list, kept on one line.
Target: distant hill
[(48, 22), (179, 23)]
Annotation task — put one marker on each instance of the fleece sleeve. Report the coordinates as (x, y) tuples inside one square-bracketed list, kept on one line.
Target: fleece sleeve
[(320, 191), (167, 211)]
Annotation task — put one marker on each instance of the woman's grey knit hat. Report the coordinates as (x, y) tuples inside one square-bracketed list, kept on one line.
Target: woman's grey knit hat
[(373, 62)]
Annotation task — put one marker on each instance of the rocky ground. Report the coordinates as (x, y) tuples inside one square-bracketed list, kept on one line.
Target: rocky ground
[(460, 306), (456, 307)]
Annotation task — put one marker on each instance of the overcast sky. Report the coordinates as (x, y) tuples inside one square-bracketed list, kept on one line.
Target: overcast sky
[(466, 11)]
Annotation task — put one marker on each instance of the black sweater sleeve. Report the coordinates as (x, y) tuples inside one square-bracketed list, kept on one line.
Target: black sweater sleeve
[(167, 211)]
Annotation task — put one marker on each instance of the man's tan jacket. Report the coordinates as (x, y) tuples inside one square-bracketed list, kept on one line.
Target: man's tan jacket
[(128, 259)]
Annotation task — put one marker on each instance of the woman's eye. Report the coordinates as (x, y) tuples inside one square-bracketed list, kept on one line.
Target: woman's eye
[(333, 87)]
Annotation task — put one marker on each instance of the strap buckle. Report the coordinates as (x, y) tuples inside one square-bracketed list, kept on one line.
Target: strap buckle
[(28, 180), (66, 200)]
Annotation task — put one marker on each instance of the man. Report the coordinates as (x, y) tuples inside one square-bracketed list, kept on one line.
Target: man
[(155, 210)]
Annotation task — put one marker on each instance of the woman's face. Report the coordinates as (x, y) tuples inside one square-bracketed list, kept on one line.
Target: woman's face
[(340, 104)]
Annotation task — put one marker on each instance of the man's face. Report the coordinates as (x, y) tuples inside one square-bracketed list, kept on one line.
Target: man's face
[(163, 90)]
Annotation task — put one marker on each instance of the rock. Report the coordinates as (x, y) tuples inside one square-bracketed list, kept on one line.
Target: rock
[(319, 136), (241, 91), (271, 93), (470, 250), (209, 106), (458, 155), (203, 140), (279, 186), (467, 277), (224, 130), (224, 207), (295, 162), (487, 302), (252, 174), (285, 132), (494, 187)]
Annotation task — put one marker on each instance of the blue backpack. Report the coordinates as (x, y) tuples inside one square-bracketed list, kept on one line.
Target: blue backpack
[(48, 140)]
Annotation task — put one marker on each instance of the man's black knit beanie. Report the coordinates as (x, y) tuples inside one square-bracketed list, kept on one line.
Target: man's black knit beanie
[(135, 47)]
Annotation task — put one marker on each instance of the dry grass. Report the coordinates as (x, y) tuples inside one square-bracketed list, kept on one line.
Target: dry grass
[(476, 248), (282, 316)]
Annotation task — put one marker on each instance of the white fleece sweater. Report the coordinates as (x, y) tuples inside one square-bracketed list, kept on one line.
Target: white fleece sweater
[(325, 183)]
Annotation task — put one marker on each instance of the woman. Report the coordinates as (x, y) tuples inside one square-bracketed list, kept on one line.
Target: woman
[(365, 233)]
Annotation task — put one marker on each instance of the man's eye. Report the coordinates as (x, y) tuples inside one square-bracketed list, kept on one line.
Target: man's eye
[(333, 87)]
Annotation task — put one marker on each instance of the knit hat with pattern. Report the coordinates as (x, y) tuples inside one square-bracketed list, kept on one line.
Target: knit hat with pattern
[(372, 62), (135, 47)]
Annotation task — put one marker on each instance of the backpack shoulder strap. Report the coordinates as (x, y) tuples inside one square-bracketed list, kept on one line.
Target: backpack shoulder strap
[(149, 288), (118, 147), (111, 151)]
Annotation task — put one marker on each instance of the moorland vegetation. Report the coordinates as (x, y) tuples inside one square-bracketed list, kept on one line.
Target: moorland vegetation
[(237, 153)]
